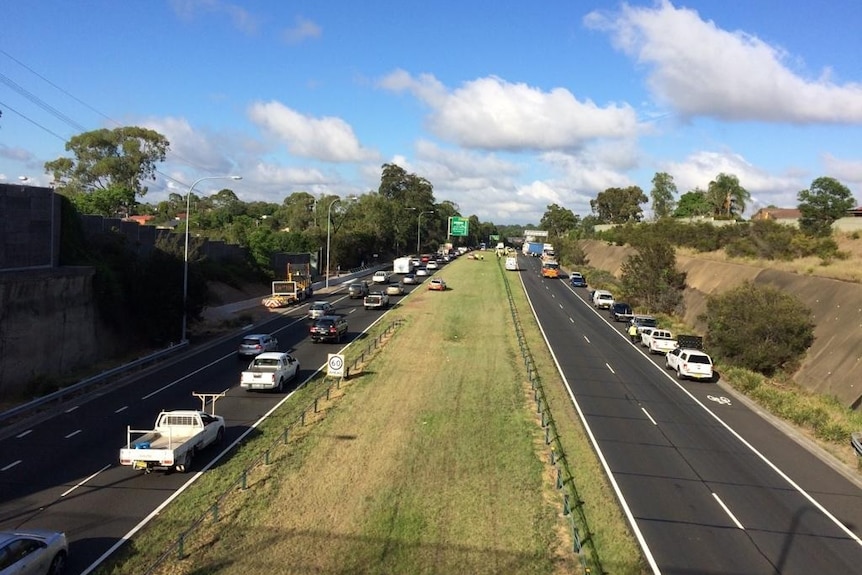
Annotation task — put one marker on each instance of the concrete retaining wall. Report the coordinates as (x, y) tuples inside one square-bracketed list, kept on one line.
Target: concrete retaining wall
[(48, 326)]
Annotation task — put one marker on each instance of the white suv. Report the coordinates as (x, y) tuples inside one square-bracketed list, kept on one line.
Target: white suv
[(689, 363), (381, 277), (603, 299)]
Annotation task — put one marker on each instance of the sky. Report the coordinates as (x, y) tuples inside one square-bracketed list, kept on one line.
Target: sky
[(504, 107)]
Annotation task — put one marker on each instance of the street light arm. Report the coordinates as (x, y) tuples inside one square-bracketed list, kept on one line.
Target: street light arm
[(186, 251)]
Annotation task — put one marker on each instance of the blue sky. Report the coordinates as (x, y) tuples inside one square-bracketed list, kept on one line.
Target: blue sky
[(504, 107)]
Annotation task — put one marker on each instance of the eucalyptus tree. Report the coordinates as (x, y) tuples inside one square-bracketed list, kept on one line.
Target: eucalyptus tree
[(662, 194), (108, 168)]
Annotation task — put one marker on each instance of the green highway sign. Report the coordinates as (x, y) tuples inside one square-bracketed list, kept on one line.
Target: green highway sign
[(458, 226)]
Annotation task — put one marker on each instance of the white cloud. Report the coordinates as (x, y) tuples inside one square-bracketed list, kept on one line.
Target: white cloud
[(848, 172), (327, 139), (697, 170), (492, 114), (701, 70), (241, 18), (303, 30), (197, 148)]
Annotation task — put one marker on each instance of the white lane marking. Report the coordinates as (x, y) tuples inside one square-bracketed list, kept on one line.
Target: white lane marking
[(10, 466), (726, 510), (71, 409), (73, 434), (24, 434), (124, 408), (80, 483), (648, 415), (587, 339), (561, 306), (571, 319), (720, 399), (612, 369)]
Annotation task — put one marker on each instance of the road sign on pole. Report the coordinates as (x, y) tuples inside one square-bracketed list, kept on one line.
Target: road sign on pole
[(458, 226), (335, 365)]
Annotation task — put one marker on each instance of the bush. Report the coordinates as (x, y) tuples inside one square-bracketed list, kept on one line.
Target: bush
[(758, 328)]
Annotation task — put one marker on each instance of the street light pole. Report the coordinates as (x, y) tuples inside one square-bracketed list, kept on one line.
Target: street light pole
[(328, 232), (419, 229), (186, 252)]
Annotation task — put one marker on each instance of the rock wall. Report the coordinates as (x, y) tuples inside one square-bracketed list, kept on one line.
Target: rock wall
[(833, 365), (48, 326)]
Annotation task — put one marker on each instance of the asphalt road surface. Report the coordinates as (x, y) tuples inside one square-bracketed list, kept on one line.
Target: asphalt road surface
[(62, 472), (710, 486)]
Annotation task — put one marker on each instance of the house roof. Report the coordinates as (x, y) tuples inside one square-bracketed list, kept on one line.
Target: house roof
[(777, 214)]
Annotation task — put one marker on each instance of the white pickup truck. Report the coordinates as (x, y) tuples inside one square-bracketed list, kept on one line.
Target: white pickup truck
[(175, 439), (269, 371), (658, 340)]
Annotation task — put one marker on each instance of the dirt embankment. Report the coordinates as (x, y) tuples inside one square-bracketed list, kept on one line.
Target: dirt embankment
[(833, 365)]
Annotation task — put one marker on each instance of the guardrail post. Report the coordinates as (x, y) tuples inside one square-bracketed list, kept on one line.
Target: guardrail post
[(180, 545), (244, 480), (215, 513), (302, 419), (315, 404), (266, 457), (566, 508), (286, 432)]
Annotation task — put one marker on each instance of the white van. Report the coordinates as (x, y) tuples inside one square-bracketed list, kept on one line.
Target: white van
[(512, 264), (603, 299), (381, 277)]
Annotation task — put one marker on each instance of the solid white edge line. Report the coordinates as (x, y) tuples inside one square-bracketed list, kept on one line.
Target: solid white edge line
[(726, 510), (741, 439), (623, 503), (128, 536)]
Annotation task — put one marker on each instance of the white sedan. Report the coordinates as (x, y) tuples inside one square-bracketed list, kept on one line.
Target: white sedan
[(421, 272)]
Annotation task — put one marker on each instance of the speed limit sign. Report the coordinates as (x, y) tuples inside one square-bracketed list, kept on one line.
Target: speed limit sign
[(335, 365)]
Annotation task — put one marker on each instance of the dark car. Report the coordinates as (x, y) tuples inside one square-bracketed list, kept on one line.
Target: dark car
[(357, 290), (577, 280), (621, 311), (328, 328)]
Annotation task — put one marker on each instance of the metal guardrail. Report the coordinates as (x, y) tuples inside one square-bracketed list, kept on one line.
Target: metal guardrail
[(125, 369), (86, 384)]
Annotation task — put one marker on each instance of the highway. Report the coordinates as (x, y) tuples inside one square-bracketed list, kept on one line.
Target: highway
[(62, 472), (709, 486)]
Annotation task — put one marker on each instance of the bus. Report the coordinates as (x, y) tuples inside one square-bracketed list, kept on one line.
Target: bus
[(550, 269)]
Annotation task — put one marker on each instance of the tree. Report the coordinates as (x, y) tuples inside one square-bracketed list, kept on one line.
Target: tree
[(558, 221), (727, 196), (619, 205), (824, 202), (110, 166), (650, 278), (692, 204), (662, 194), (758, 327)]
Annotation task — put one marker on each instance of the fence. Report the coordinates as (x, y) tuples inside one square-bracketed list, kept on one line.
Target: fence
[(565, 481), (310, 413)]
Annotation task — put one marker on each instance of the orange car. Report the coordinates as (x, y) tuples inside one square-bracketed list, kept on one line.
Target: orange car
[(437, 284)]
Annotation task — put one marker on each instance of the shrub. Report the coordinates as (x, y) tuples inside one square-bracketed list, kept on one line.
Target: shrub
[(758, 327)]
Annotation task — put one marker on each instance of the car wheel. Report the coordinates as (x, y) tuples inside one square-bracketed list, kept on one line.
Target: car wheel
[(666, 364), (280, 386), (58, 564), (219, 435), (679, 375)]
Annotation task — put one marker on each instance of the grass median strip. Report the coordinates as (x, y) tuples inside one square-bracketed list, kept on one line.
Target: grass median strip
[(430, 463)]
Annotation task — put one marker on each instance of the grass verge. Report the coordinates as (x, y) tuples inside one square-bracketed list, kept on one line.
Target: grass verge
[(430, 460)]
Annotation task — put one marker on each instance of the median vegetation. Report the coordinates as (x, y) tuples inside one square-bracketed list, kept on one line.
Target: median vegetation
[(431, 459)]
